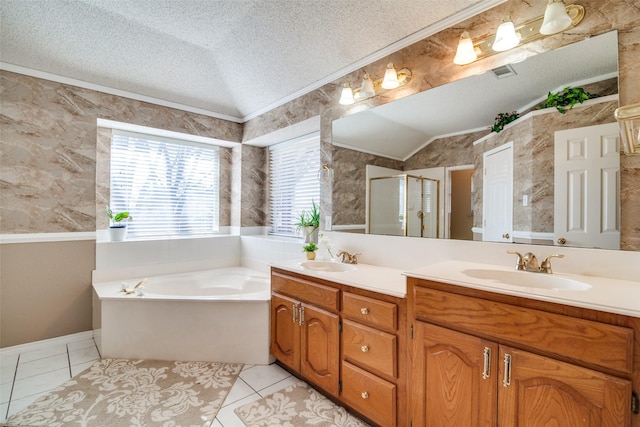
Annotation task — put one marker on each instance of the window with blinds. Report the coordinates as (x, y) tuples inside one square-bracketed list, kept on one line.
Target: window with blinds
[(294, 184), (169, 187)]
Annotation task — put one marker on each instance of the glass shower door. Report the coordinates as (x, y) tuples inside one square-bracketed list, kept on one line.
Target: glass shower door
[(386, 205)]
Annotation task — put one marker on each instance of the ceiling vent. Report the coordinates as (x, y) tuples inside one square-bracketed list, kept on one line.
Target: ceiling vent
[(503, 72)]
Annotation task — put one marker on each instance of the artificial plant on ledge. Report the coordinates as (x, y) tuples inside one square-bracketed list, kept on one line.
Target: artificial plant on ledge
[(567, 97), (503, 119)]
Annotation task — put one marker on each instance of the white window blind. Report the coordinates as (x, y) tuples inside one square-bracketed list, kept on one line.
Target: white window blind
[(294, 184), (169, 187)]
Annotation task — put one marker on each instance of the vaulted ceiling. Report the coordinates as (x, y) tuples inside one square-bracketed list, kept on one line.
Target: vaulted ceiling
[(233, 59)]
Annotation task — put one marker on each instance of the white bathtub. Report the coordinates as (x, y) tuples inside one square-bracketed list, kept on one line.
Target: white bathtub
[(217, 315)]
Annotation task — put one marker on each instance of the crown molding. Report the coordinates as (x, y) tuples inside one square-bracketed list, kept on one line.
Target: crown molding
[(105, 89)]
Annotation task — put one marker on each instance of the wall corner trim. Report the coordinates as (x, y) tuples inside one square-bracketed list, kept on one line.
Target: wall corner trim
[(46, 237)]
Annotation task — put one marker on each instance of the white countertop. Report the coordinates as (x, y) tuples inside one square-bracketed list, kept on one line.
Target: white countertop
[(388, 281), (604, 294)]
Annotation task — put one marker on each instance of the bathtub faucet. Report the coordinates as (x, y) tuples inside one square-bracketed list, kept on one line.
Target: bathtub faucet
[(348, 258)]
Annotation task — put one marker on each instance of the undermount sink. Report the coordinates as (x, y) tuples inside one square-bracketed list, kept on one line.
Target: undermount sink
[(528, 280), (328, 266)]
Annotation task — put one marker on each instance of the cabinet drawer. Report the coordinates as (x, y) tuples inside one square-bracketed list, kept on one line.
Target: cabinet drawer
[(594, 343), (374, 397), (369, 348), (313, 293), (370, 311)]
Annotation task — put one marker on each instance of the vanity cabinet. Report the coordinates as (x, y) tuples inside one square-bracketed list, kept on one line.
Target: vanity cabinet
[(347, 341), (370, 356), (305, 330), (485, 359)]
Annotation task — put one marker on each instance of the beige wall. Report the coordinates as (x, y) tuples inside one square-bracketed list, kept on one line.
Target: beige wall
[(45, 290), (48, 156)]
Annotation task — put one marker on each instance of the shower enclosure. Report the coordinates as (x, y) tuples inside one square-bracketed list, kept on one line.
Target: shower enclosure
[(403, 205)]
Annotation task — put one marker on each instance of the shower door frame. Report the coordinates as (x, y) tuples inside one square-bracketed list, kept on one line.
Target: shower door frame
[(406, 202)]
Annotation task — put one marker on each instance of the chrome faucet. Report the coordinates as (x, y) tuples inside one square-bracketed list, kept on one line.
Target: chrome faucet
[(348, 258), (529, 262)]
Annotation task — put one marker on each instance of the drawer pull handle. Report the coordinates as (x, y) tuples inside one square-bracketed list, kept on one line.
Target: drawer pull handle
[(364, 348), (486, 372), (365, 395), (295, 313), (506, 381), (301, 322), (364, 311)]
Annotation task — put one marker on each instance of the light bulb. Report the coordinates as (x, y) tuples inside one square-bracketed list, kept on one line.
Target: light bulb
[(390, 80), (347, 95), (556, 18), (367, 90), (506, 37), (465, 54)]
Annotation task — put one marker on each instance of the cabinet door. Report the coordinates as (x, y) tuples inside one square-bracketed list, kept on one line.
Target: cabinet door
[(453, 379), (537, 391), (319, 354), (285, 331)]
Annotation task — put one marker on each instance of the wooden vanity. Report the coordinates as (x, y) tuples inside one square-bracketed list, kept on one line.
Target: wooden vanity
[(483, 358), (452, 355), (349, 342)]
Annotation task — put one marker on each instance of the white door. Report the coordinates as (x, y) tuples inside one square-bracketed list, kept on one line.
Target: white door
[(587, 187), (497, 190)]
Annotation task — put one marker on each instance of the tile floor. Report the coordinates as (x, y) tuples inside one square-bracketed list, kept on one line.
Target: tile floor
[(26, 376)]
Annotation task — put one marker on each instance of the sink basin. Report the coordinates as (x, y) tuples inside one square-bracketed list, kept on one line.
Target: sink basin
[(328, 266), (527, 279)]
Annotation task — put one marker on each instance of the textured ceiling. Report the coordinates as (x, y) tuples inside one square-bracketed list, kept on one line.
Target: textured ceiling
[(234, 58)]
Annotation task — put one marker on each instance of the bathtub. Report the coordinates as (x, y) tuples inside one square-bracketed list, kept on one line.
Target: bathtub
[(219, 315)]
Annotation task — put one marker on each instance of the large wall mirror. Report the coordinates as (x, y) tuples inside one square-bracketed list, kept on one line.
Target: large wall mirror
[(509, 186)]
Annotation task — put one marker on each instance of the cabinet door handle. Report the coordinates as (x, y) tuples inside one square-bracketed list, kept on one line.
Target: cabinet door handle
[(364, 395), (301, 315), (295, 313), (506, 381), (486, 371), (364, 348), (364, 311)]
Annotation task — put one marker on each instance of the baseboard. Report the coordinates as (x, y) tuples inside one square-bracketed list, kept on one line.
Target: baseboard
[(36, 345)]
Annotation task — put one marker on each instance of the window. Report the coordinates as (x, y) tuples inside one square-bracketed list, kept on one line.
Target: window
[(293, 172), (170, 187)]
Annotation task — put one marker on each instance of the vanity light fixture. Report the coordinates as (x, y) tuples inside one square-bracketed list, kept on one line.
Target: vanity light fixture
[(346, 98), (367, 90), (556, 18), (370, 88), (628, 118), (465, 53), (552, 22), (506, 37), (390, 80)]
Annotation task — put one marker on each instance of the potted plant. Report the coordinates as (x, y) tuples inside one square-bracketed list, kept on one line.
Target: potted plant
[(309, 223), (310, 249), (118, 228)]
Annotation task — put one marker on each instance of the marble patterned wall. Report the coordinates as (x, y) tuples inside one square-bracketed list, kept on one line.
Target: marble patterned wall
[(431, 62), (254, 170), (49, 150), (533, 142), (448, 151), (349, 183)]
